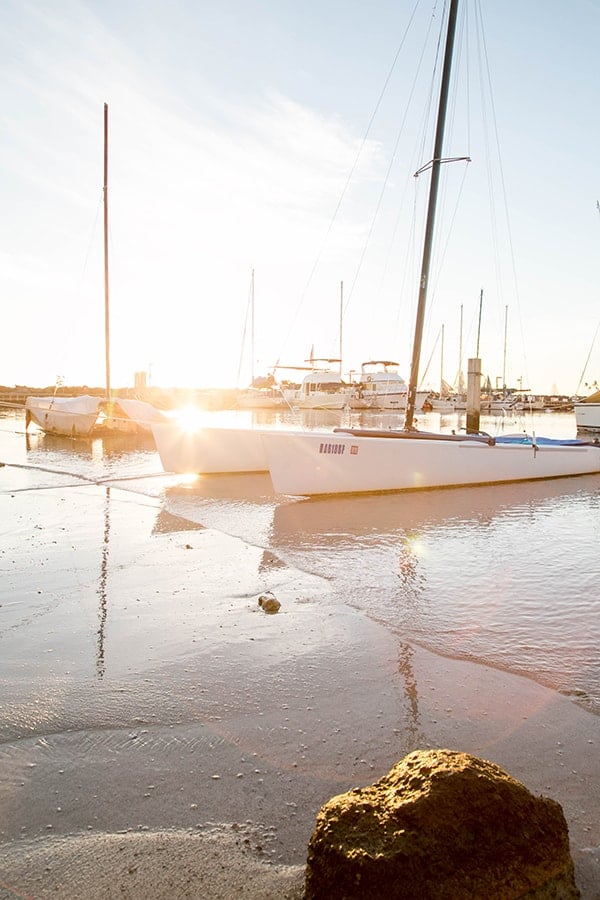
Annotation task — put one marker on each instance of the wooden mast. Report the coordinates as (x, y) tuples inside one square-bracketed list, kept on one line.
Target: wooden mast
[(106, 306), (431, 209)]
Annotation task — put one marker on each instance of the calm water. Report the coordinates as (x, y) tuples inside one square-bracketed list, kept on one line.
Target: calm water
[(508, 575)]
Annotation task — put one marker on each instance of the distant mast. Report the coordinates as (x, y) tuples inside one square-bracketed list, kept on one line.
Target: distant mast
[(252, 331), (106, 308), (341, 320)]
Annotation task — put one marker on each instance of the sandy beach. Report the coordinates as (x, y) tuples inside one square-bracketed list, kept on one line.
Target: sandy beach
[(162, 736)]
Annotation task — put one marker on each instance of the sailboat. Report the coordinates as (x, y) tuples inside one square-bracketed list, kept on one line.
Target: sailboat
[(350, 460), (263, 392), (88, 415)]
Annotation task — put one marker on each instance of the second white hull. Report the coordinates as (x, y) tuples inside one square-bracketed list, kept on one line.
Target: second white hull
[(306, 464), (208, 451), (587, 416)]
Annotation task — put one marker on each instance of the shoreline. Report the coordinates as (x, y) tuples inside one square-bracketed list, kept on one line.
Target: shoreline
[(539, 737), (152, 714), (150, 865)]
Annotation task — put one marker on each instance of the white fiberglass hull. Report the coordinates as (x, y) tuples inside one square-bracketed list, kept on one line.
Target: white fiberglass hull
[(306, 464), (88, 416), (587, 416), (209, 451), (70, 416)]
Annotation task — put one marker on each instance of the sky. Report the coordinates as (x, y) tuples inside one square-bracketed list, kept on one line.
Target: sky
[(274, 143)]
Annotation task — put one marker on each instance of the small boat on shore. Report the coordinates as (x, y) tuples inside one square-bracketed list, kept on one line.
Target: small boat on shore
[(87, 416), (72, 416)]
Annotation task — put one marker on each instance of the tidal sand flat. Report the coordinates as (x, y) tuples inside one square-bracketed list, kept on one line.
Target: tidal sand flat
[(159, 731)]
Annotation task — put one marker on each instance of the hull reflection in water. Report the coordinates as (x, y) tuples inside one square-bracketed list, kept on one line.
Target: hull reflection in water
[(339, 522), (505, 575)]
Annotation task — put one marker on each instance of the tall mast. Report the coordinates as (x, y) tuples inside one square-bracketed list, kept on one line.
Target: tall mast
[(460, 352), (431, 209), (106, 315), (442, 364), (504, 357), (341, 320), (479, 322), (252, 330)]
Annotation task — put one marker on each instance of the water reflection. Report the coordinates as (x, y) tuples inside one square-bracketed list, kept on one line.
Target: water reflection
[(504, 574), (412, 728), (341, 520), (96, 459), (501, 574), (411, 578), (100, 663)]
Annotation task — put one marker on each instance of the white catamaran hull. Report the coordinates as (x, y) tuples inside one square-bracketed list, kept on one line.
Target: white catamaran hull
[(587, 416), (305, 464), (209, 451)]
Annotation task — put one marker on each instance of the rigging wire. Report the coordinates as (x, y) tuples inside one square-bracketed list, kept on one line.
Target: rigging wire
[(248, 310), (389, 168), (411, 250), (351, 172), (504, 194), (493, 166), (581, 377), (423, 133)]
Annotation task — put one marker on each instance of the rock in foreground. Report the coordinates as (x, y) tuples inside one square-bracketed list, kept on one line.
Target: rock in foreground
[(440, 824)]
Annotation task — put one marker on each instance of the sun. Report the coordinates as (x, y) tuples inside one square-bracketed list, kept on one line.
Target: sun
[(190, 419)]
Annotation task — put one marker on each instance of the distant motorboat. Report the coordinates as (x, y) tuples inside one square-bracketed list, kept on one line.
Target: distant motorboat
[(322, 388), (587, 413), (381, 386)]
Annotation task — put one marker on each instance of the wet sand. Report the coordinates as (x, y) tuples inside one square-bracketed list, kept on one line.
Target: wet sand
[(162, 736)]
